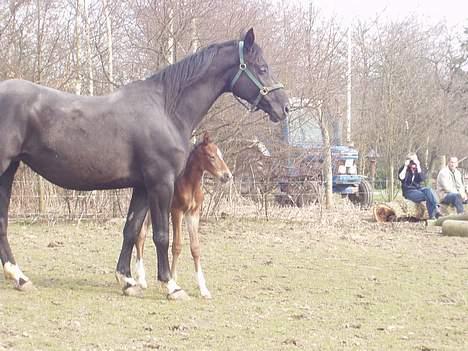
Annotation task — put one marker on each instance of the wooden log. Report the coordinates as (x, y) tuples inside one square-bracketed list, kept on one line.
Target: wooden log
[(398, 210), (452, 227), (455, 217)]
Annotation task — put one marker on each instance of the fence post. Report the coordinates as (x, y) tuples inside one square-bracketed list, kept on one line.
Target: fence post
[(41, 192)]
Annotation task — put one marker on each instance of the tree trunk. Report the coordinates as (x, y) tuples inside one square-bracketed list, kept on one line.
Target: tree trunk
[(40, 180), (327, 161), (110, 63), (88, 49), (78, 48), (171, 43)]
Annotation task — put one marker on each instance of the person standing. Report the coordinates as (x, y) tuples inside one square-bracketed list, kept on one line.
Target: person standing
[(451, 187), (411, 176)]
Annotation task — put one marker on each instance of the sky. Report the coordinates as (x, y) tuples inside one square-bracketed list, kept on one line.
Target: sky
[(454, 12)]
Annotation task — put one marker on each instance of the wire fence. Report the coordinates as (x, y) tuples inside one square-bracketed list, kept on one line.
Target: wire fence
[(33, 201)]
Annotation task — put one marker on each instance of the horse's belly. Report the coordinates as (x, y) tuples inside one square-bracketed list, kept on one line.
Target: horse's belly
[(84, 174)]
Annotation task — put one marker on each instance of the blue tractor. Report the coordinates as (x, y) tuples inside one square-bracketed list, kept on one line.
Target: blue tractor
[(302, 183)]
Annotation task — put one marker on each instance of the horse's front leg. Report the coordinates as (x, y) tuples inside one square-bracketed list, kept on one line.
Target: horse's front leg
[(140, 245), (176, 217), (135, 217), (192, 221), (160, 199), (10, 268)]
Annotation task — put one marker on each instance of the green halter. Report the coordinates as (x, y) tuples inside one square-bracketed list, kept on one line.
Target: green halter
[(263, 90)]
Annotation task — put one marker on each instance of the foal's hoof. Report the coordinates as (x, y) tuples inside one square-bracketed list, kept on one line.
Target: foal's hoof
[(207, 296), (143, 284), (25, 286), (178, 294), (133, 290)]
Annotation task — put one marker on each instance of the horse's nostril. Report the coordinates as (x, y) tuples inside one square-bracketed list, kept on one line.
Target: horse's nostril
[(286, 109), (226, 177)]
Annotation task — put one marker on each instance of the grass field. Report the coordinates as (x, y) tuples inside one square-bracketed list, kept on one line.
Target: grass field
[(339, 283)]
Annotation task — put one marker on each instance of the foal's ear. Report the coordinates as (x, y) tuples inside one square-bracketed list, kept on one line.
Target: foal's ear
[(249, 39), (206, 138)]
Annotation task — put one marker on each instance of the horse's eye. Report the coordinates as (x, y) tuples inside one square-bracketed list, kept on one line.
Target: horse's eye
[(212, 158), (263, 69)]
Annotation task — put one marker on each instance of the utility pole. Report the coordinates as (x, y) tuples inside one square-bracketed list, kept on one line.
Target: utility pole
[(348, 99)]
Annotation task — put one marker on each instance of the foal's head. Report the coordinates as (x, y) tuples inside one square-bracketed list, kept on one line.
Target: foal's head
[(210, 159)]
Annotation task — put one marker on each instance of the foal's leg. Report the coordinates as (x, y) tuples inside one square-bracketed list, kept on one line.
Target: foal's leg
[(160, 198), (10, 268), (139, 245), (192, 220), (135, 217), (176, 216)]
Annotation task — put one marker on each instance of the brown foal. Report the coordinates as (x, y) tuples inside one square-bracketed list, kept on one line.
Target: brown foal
[(186, 204)]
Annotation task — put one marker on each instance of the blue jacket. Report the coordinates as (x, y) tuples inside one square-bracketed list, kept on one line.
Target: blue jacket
[(410, 182)]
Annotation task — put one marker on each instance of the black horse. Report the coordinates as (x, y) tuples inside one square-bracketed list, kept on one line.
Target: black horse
[(136, 137)]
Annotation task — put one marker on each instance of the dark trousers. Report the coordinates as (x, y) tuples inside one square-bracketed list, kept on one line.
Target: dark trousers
[(454, 199), (424, 194)]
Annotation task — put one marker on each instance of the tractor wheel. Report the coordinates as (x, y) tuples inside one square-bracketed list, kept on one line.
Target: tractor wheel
[(365, 195)]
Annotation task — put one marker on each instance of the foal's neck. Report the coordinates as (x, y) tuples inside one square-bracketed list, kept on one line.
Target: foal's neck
[(192, 174)]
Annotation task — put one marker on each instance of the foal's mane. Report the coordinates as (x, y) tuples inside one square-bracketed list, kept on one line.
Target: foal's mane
[(184, 73), (191, 155)]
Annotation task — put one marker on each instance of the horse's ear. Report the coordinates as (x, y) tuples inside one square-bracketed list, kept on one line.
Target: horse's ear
[(206, 138), (249, 39)]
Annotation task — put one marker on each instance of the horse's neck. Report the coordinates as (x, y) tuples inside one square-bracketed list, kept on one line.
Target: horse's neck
[(202, 94)]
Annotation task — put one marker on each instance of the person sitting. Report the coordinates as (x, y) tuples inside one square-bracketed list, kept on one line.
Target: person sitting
[(450, 185), (411, 176)]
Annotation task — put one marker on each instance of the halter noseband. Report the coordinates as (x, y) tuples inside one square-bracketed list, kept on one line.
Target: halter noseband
[(263, 90)]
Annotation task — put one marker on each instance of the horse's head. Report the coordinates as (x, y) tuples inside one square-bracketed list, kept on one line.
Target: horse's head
[(211, 159), (254, 83)]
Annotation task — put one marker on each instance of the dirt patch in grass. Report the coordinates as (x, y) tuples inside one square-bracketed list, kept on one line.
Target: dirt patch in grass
[(339, 282)]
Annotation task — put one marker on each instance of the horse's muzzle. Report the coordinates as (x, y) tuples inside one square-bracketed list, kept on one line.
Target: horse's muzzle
[(225, 177)]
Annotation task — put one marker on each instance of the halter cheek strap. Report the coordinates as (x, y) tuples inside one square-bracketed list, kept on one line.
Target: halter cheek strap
[(263, 90)]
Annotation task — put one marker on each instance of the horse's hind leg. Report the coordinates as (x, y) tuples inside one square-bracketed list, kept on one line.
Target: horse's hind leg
[(10, 268), (135, 217), (140, 245), (192, 220)]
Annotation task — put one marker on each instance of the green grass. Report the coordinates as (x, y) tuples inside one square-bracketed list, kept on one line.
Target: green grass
[(339, 284)]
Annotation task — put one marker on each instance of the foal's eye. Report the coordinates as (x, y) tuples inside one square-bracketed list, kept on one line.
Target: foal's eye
[(212, 158)]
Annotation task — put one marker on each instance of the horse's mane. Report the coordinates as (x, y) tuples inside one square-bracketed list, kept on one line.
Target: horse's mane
[(184, 73)]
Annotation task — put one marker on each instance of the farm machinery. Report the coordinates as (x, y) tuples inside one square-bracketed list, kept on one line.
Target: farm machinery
[(292, 169)]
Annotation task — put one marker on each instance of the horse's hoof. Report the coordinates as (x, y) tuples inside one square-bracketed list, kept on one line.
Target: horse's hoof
[(178, 294), (25, 286), (143, 284), (133, 290), (207, 296)]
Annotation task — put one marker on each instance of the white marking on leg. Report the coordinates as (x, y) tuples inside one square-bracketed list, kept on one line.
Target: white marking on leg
[(202, 285), (12, 271), (124, 281), (171, 286), (141, 274)]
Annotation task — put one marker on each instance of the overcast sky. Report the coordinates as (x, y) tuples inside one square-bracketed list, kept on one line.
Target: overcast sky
[(454, 12)]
